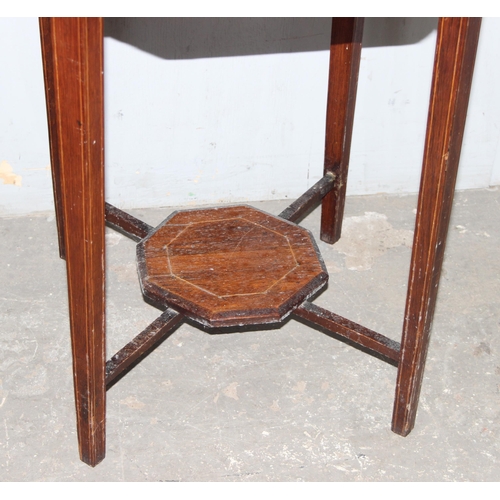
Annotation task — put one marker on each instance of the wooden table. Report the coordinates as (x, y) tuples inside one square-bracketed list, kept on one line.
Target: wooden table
[(73, 68)]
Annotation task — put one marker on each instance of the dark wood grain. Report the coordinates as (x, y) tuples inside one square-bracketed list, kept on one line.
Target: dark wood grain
[(126, 224), (141, 345), (237, 265), (51, 83), (73, 64), (345, 54), (230, 266), (353, 332), (451, 82), (301, 206)]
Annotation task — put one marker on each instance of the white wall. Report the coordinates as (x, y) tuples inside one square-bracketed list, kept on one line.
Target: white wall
[(234, 111), (25, 184)]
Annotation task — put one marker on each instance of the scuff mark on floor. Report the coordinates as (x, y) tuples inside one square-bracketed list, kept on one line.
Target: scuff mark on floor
[(275, 406), (231, 391), (113, 238), (366, 237), (132, 402)]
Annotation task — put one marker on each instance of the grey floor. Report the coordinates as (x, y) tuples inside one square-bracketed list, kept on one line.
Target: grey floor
[(288, 404)]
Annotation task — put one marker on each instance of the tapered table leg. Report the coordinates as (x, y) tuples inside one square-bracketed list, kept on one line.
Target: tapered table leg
[(345, 53), (453, 67), (49, 72), (73, 65)]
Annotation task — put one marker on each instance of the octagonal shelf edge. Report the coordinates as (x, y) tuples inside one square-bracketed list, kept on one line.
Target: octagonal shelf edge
[(305, 279)]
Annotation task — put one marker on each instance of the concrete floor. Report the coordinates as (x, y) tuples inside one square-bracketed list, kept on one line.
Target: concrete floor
[(287, 404)]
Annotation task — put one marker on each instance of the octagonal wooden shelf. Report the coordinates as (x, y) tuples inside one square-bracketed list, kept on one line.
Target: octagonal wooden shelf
[(230, 266)]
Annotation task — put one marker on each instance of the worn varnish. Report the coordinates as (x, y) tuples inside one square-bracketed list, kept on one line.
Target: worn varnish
[(356, 334), (302, 205), (141, 345), (237, 265), (230, 266), (456, 46), (345, 55), (126, 224), (73, 68)]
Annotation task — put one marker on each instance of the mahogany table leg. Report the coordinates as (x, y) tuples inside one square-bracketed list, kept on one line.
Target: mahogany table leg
[(73, 65), (49, 65), (453, 67), (345, 53)]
